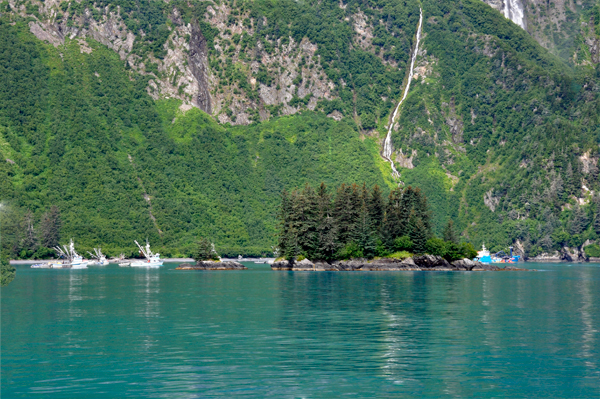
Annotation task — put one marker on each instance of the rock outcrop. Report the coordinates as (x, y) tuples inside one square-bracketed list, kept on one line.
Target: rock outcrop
[(418, 263), (210, 265)]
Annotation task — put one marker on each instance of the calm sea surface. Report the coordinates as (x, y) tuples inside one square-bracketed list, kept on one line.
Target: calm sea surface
[(121, 332)]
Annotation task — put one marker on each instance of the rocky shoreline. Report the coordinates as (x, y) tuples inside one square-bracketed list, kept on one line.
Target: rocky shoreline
[(417, 263), (210, 265)]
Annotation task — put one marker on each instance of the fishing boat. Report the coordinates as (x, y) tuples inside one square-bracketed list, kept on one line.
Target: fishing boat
[(121, 261), (152, 259), (502, 257), (483, 256), (41, 266), (99, 258), (73, 259)]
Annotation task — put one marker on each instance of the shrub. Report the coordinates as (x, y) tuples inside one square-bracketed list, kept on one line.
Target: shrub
[(436, 246), (400, 255), (350, 251), (403, 243), (459, 251), (592, 250)]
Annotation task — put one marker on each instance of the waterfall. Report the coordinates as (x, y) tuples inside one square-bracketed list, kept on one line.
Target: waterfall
[(387, 145), (513, 10)]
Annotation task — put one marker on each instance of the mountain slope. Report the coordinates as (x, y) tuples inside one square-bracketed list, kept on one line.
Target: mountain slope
[(107, 119)]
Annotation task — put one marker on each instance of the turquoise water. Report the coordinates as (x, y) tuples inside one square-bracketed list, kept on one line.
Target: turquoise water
[(122, 332)]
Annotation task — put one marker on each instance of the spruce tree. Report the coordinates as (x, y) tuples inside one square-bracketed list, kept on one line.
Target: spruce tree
[(29, 241), (50, 228), (450, 234), (308, 221), (393, 225), (346, 210), (376, 206), (205, 250), (419, 236), (365, 237), (326, 232), (579, 220)]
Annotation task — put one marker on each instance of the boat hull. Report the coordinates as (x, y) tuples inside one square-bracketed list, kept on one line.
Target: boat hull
[(146, 263)]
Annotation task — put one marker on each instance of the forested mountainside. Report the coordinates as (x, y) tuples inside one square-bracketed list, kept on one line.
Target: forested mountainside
[(566, 27), (173, 120)]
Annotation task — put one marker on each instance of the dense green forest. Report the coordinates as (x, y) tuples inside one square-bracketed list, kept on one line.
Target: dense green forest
[(357, 222), (79, 134), (505, 136)]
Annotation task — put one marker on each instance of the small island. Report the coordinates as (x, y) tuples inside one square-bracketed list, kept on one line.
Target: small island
[(355, 229), (207, 258)]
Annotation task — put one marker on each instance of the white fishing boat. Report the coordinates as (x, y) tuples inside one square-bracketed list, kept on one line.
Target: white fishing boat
[(41, 266), (152, 259), (124, 264), (99, 258), (73, 259), (58, 264)]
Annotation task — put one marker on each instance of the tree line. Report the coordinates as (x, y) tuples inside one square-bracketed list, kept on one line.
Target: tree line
[(358, 222), (23, 238)]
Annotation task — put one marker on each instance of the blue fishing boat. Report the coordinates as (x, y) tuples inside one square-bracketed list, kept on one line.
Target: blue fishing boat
[(483, 256)]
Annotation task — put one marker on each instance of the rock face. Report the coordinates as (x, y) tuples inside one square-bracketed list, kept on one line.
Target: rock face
[(209, 265), (199, 63), (566, 254), (425, 262)]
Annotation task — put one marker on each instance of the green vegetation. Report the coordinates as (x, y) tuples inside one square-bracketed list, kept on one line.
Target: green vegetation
[(205, 250), (7, 272), (120, 166), (593, 250), (506, 136), (357, 223)]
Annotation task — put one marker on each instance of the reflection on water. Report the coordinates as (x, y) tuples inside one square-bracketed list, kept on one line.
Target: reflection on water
[(589, 332), (119, 332)]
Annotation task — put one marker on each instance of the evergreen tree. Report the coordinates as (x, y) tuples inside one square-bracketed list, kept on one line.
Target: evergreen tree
[(419, 236), (326, 231), (307, 221), (287, 235), (579, 220), (394, 224), (50, 228), (29, 242), (205, 250), (376, 206), (365, 236), (346, 208), (450, 234)]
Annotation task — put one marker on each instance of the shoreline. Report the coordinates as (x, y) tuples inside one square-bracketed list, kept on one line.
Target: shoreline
[(32, 261), (167, 260)]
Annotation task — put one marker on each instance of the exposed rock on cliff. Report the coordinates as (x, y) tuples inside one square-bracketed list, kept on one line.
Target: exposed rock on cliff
[(199, 64)]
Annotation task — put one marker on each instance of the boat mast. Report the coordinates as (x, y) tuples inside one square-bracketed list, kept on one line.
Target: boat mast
[(142, 250)]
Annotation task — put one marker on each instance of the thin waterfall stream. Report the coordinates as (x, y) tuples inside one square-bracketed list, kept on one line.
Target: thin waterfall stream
[(387, 145)]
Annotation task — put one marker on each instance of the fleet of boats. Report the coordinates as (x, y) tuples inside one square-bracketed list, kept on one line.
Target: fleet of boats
[(70, 259)]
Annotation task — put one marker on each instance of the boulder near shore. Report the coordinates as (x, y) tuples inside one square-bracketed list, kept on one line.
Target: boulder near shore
[(210, 265), (417, 263)]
